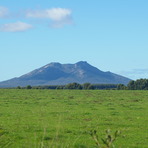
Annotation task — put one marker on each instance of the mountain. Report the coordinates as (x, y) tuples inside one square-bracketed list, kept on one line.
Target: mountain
[(59, 74)]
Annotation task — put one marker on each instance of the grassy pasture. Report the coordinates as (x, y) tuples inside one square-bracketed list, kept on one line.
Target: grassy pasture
[(64, 118)]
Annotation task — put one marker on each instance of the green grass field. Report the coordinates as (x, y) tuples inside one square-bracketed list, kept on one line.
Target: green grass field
[(64, 118)]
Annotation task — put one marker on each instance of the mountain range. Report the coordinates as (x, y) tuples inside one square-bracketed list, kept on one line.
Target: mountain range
[(60, 74)]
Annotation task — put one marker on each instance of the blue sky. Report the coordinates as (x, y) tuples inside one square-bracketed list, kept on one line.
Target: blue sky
[(112, 35)]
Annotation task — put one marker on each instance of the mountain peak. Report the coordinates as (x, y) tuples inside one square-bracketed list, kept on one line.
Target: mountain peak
[(58, 74), (55, 64), (81, 62)]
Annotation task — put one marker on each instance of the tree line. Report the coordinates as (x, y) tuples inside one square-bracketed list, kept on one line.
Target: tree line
[(140, 84), (85, 86)]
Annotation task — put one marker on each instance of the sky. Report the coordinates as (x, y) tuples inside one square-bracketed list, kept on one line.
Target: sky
[(111, 35)]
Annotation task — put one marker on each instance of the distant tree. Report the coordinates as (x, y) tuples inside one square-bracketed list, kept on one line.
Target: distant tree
[(86, 86), (121, 87), (91, 87), (28, 86), (73, 86), (140, 84), (131, 85), (146, 84), (104, 86), (18, 87), (60, 87)]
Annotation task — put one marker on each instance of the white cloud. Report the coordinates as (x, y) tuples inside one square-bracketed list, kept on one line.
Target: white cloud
[(58, 16), (3, 12), (15, 27), (55, 17), (60, 24), (55, 14)]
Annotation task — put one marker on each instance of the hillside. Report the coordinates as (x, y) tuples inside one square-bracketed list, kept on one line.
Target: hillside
[(58, 74)]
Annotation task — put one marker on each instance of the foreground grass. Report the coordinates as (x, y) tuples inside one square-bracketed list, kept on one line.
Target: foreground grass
[(64, 118)]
